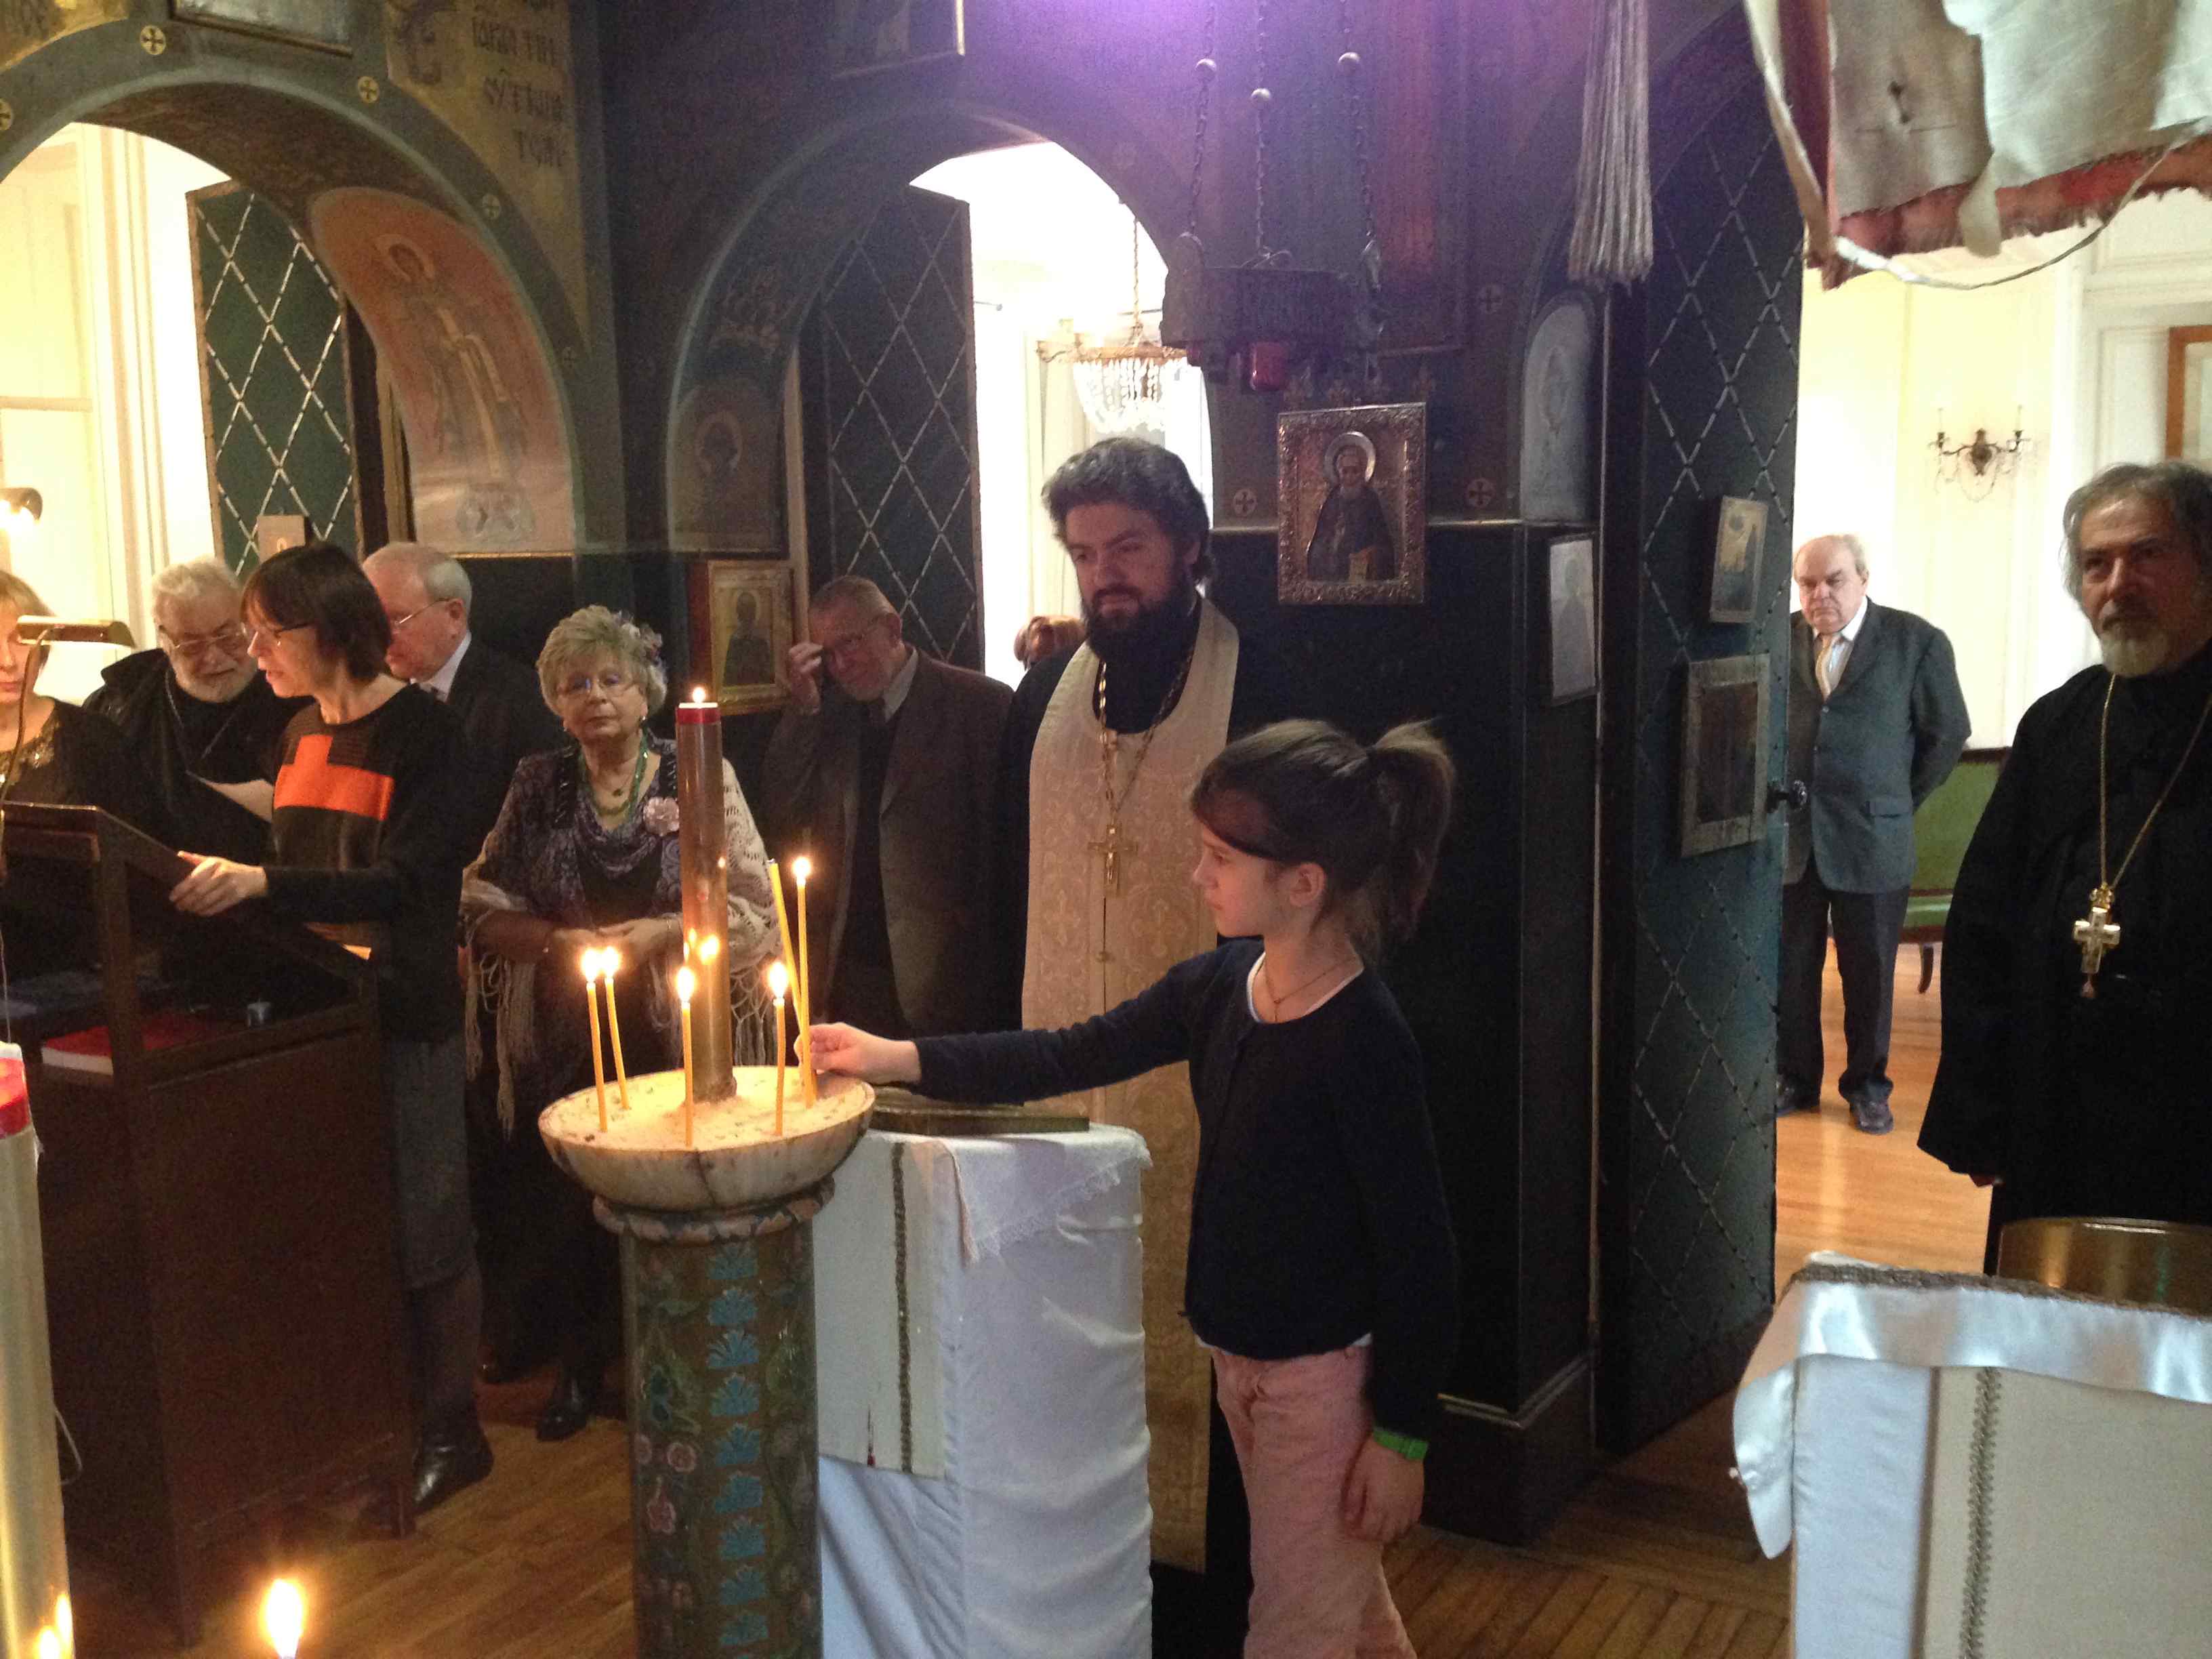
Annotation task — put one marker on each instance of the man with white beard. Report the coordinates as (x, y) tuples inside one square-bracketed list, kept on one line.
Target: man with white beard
[(2076, 1076), (195, 708)]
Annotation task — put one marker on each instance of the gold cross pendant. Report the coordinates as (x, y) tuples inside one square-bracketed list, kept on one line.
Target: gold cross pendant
[(1110, 844), (2096, 933)]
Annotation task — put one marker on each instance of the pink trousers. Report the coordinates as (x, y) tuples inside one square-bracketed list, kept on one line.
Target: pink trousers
[(1317, 1591)]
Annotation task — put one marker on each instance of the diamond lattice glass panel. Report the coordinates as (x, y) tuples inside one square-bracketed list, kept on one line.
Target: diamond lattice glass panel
[(893, 338), (280, 435)]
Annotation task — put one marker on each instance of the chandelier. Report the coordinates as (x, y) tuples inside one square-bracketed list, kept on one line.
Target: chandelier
[(1123, 386)]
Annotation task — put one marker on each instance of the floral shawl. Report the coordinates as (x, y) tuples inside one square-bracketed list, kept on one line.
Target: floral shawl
[(533, 861)]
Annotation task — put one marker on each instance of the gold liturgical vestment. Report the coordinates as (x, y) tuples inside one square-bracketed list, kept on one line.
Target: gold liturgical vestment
[(1095, 941)]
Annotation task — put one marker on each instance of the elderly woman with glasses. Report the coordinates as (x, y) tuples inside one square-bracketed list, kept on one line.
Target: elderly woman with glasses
[(197, 707), (584, 857), (360, 838)]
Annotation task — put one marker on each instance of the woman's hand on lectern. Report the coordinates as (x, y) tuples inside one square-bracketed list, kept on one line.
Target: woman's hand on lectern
[(215, 885), (854, 1053)]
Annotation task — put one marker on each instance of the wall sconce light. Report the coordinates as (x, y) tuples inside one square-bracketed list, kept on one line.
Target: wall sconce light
[(1975, 465)]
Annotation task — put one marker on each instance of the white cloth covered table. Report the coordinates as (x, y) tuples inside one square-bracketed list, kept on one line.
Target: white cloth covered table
[(980, 1364), (1959, 1460)]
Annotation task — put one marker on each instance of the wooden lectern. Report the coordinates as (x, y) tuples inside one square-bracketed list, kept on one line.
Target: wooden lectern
[(222, 1273)]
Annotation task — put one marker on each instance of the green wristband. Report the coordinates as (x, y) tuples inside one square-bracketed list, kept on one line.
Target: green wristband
[(1409, 1447)]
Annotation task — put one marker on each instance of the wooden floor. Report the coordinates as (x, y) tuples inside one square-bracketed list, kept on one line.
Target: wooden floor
[(1655, 1558)]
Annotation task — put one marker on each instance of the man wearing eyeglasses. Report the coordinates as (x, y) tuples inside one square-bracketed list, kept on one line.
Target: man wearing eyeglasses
[(887, 779), (197, 708), (503, 717)]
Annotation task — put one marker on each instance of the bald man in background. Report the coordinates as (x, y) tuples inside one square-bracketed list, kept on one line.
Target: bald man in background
[(1876, 722)]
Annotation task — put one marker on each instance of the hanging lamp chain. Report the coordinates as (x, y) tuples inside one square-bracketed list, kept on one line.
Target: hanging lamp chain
[(1263, 98), (1207, 69), (1353, 68), (1351, 65)]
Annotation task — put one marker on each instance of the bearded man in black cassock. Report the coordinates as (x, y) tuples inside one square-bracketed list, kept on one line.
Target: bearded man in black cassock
[(2076, 1075)]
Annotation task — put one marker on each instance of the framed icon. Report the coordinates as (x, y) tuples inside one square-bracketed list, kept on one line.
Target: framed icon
[(1352, 485), (743, 620), (1724, 726)]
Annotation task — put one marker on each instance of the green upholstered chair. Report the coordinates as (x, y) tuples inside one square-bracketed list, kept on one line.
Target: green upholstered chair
[(1940, 829)]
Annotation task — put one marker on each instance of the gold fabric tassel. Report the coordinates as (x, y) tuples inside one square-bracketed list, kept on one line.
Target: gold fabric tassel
[(1612, 240)]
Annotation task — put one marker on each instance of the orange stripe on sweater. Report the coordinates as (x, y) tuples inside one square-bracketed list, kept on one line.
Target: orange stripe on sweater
[(308, 779)]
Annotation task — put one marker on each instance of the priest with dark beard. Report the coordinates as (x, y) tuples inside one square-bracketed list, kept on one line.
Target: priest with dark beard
[(1103, 745), (2076, 1075), (198, 708)]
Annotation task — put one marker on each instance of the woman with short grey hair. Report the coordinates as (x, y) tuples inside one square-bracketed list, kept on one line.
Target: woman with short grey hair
[(584, 856), (595, 632)]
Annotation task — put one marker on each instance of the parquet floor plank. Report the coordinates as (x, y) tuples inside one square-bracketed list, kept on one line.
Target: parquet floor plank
[(1758, 1637), (1597, 1621), (1534, 1589), (1678, 1630), (1716, 1632)]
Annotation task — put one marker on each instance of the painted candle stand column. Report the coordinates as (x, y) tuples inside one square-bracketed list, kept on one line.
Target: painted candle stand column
[(719, 1317), (718, 1295)]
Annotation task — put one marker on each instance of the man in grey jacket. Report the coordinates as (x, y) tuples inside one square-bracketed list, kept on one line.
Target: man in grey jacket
[(1876, 722)]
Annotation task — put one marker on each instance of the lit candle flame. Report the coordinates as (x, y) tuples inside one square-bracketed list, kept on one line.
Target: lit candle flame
[(285, 1615), (65, 1623), (779, 981), (609, 959), (50, 1644), (591, 961), (801, 868), (686, 983), (698, 693)]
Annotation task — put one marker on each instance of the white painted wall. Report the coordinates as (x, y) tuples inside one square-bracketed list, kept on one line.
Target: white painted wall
[(2077, 354), (96, 313)]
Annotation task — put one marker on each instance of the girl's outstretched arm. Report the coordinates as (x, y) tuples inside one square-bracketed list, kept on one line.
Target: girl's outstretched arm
[(1151, 1029)]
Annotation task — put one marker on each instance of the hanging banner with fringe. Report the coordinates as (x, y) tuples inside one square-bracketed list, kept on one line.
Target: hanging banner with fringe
[(1914, 124)]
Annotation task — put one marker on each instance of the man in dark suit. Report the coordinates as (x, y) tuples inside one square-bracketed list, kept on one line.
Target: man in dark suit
[(502, 711), (1877, 721), (889, 781)]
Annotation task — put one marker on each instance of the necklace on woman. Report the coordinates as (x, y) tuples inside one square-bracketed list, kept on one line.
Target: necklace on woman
[(2097, 932), (599, 802), (1277, 999)]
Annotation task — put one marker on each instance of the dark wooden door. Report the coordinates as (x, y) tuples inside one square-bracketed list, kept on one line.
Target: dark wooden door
[(1704, 368), (888, 391)]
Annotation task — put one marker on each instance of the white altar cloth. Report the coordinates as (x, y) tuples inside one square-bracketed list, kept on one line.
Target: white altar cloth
[(1843, 1451), (982, 1396)]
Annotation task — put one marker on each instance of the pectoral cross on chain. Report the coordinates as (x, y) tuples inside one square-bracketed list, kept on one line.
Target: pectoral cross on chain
[(1112, 846), (2096, 933)]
